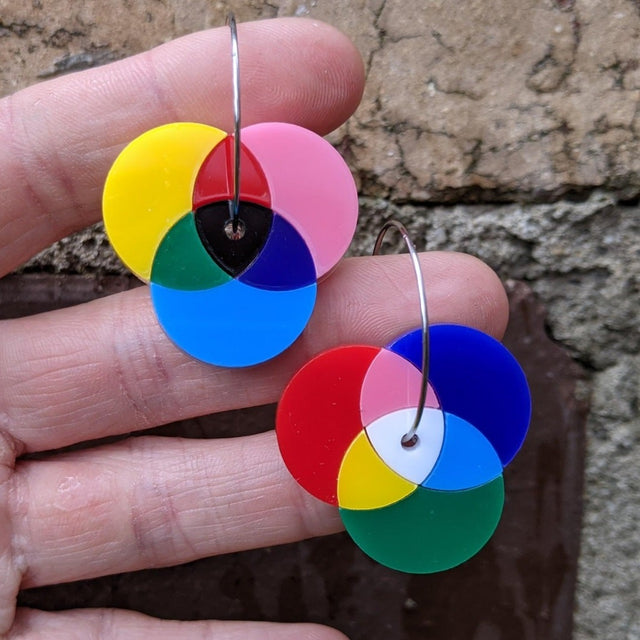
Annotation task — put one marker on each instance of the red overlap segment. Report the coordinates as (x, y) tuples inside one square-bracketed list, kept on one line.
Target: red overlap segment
[(215, 179)]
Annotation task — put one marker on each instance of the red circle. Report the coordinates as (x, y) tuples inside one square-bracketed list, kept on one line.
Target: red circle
[(319, 416)]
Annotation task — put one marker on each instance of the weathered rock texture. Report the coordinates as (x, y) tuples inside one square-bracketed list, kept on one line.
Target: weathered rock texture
[(492, 100), (488, 101)]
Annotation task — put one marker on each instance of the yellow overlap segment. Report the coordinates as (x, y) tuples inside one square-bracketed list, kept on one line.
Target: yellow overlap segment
[(150, 187), (365, 481)]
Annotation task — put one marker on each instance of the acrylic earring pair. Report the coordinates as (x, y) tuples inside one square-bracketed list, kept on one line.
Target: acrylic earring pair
[(232, 232)]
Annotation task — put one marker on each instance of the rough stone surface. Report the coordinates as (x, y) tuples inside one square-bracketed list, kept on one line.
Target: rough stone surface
[(609, 595), (482, 103), (40, 39), (498, 102), (493, 101), (86, 252), (583, 259)]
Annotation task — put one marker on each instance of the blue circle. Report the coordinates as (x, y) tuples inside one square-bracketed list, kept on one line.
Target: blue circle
[(233, 324), (477, 379), (284, 262)]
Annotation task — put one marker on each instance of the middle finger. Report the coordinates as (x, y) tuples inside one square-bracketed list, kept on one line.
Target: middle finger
[(106, 367)]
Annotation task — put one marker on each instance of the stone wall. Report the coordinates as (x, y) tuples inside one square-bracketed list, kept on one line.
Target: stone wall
[(505, 129)]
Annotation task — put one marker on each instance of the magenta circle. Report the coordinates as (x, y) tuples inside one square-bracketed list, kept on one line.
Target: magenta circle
[(310, 185), (392, 383)]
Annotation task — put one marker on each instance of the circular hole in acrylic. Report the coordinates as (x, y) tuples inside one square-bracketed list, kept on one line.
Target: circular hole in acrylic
[(238, 234)]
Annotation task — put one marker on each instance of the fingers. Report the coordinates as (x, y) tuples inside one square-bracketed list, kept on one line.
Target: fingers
[(106, 367), (150, 502), (60, 137), (111, 624)]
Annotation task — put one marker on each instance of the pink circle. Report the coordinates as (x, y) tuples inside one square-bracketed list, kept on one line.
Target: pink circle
[(310, 185), (391, 384)]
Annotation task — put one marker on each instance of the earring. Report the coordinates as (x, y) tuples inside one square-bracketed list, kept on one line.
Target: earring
[(409, 440), (231, 231)]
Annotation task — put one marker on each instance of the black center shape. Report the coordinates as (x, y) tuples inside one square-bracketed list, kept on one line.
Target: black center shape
[(234, 256)]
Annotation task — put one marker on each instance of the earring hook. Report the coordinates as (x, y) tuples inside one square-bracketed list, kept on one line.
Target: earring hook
[(410, 438), (234, 205)]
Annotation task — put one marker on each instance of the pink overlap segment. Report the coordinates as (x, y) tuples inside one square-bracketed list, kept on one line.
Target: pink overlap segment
[(310, 186), (392, 383)]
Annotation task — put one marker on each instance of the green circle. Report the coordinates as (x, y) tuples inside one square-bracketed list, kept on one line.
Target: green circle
[(181, 262), (429, 530)]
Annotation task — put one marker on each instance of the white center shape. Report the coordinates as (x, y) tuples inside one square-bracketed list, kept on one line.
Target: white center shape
[(412, 463)]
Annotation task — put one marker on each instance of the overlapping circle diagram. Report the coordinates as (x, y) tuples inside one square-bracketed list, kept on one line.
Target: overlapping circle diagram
[(224, 300), (427, 508)]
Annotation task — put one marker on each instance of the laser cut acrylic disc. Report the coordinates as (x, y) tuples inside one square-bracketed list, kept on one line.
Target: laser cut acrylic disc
[(232, 303), (422, 509)]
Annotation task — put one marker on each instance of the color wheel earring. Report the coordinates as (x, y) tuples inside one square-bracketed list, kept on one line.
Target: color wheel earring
[(231, 231), (410, 440)]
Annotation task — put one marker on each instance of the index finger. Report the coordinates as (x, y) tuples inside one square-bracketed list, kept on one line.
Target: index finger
[(60, 137)]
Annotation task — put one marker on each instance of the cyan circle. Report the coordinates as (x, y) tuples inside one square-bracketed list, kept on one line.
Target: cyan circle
[(467, 459), (233, 325)]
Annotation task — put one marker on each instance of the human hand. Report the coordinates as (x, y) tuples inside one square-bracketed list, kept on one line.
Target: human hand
[(106, 368)]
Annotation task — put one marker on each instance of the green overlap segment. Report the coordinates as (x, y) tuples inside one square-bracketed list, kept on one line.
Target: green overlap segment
[(428, 531), (181, 262)]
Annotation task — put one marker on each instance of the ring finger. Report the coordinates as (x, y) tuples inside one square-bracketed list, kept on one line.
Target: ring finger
[(150, 502), (106, 367)]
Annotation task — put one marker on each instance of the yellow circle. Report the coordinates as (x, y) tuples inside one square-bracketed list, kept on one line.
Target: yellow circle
[(365, 481), (150, 187)]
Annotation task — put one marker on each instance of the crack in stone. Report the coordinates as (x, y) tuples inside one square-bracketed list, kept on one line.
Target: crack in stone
[(619, 69), (437, 36), (20, 29), (564, 5), (465, 93), (79, 61), (548, 74), (62, 37)]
